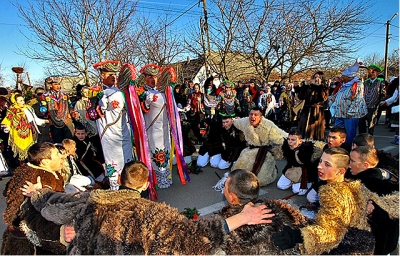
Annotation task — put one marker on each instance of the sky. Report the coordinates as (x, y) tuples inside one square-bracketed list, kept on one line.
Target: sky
[(11, 26)]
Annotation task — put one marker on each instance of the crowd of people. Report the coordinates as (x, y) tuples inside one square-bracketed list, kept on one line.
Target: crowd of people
[(125, 129)]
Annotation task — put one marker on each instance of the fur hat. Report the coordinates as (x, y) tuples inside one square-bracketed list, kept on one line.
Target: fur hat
[(108, 66), (351, 71)]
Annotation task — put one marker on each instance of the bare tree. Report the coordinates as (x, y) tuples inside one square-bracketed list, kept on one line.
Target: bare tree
[(155, 42), (286, 36), (71, 35)]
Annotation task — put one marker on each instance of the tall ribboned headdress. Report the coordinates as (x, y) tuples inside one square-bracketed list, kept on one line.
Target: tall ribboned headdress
[(108, 66), (151, 69)]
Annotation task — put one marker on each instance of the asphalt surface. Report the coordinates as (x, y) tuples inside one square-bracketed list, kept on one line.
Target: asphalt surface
[(200, 194)]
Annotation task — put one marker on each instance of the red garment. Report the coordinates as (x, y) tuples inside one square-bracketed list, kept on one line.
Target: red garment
[(254, 93)]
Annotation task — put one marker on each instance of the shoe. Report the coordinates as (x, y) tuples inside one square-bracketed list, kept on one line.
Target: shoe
[(395, 141)]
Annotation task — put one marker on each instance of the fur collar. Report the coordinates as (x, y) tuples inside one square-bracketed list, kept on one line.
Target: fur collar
[(266, 133)]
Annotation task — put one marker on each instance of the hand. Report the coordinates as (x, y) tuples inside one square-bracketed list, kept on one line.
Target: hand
[(287, 238), (69, 233), (99, 112), (253, 215), (30, 188), (370, 207)]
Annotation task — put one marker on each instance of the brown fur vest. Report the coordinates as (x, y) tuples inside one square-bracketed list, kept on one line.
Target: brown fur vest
[(118, 222)]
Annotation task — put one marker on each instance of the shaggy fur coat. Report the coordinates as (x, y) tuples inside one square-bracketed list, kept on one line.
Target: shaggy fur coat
[(343, 206), (266, 133), (119, 222), (256, 240), (20, 214)]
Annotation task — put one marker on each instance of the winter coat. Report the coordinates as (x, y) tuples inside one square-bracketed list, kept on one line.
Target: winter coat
[(265, 134), (119, 222)]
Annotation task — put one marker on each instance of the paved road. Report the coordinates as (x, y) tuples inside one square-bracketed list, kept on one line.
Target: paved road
[(199, 193)]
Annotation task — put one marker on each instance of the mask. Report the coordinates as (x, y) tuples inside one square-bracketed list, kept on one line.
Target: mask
[(208, 91)]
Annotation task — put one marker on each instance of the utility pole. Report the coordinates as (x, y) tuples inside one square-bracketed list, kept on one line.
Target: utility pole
[(205, 25), (387, 44)]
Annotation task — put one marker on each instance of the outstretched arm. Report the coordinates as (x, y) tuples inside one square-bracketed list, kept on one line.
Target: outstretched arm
[(250, 215)]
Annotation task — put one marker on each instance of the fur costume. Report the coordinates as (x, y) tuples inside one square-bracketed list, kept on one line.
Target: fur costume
[(119, 222), (343, 206), (266, 133), (19, 216), (256, 239)]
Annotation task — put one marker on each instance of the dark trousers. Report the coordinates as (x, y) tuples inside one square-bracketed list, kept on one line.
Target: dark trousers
[(59, 134), (367, 123)]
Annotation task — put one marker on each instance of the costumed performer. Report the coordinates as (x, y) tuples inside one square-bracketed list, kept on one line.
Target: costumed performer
[(22, 122), (113, 124), (28, 232), (343, 206), (162, 119), (128, 224), (261, 135), (57, 105)]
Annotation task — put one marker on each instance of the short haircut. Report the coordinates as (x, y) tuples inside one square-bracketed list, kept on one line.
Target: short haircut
[(244, 185), (39, 151), (68, 142), (80, 127), (341, 130), (61, 148), (342, 157), (367, 154), (134, 174), (257, 109), (364, 139), (296, 132), (39, 89)]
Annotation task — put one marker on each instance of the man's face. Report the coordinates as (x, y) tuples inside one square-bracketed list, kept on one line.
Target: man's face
[(255, 117), (151, 80), (227, 123), (191, 84), (356, 164), (108, 78), (55, 163), (294, 141), (55, 87), (373, 73), (39, 93), (334, 139), (327, 170), (80, 134)]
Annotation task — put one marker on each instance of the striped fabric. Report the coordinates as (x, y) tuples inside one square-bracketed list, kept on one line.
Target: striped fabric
[(371, 92), (345, 106)]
